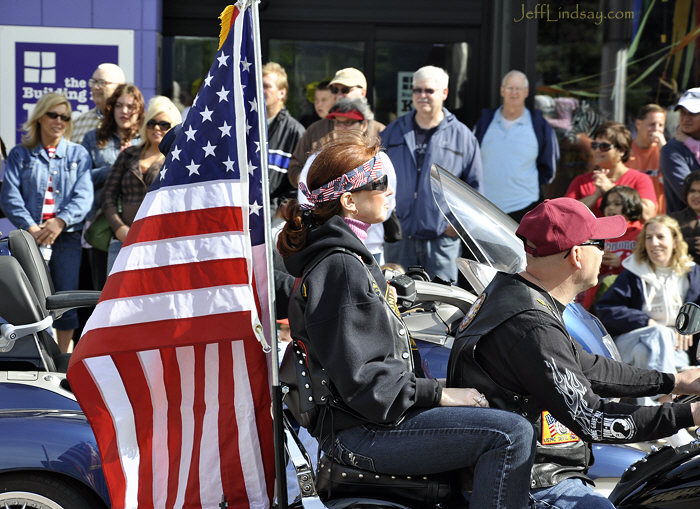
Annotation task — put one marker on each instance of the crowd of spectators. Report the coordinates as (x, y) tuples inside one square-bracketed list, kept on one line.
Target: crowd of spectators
[(512, 156)]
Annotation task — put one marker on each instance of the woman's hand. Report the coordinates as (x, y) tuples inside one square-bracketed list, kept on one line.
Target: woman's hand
[(121, 233), (49, 230), (463, 397), (611, 259), (683, 341), (601, 180)]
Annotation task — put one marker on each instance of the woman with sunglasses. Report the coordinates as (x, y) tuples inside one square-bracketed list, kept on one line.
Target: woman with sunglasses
[(640, 307), (134, 171), (611, 149), (47, 190), (124, 111), (374, 409)]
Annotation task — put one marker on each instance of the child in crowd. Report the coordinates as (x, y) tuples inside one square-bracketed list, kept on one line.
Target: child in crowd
[(622, 200)]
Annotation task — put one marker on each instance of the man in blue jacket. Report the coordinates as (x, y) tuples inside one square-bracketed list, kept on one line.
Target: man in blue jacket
[(519, 149), (429, 134)]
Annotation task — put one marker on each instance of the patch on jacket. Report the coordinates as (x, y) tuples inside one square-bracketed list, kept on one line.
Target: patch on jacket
[(472, 312), (554, 432)]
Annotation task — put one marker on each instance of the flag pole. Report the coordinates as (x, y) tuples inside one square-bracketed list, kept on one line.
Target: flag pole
[(276, 394)]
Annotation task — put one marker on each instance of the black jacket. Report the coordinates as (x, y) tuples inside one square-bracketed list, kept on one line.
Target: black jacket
[(282, 137), (516, 350), (349, 332)]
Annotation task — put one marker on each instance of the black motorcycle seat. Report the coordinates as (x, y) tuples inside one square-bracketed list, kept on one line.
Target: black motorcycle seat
[(336, 480)]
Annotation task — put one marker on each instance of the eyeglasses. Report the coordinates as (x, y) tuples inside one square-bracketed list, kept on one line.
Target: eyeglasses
[(100, 83), (164, 126), (130, 108), (599, 243), (514, 89), (53, 116), (345, 122), (419, 91), (603, 146), (376, 185), (344, 90)]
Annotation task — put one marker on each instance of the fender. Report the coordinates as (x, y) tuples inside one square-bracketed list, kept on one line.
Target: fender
[(47, 432)]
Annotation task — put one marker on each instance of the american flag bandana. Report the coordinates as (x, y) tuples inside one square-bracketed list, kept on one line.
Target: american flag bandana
[(365, 173)]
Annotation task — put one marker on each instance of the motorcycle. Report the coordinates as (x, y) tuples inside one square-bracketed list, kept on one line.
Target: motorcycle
[(48, 453), (432, 312)]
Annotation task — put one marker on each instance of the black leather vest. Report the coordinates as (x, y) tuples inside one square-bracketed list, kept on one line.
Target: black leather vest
[(553, 462)]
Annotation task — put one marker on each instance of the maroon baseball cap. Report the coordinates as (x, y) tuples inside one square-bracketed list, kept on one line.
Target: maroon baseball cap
[(557, 225)]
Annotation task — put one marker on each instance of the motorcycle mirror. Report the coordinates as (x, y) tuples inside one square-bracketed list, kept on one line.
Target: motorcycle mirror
[(688, 319)]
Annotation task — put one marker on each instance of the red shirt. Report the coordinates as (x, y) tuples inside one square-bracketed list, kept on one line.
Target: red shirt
[(583, 186)]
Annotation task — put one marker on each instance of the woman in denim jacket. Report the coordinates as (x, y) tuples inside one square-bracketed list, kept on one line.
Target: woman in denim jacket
[(124, 114), (47, 190)]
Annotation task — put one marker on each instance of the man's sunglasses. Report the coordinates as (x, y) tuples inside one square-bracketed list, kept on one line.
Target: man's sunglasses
[(164, 126), (603, 146), (53, 116), (599, 243), (376, 185), (344, 90), (419, 91)]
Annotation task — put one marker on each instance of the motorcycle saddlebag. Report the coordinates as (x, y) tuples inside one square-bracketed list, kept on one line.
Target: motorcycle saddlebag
[(425, 491)]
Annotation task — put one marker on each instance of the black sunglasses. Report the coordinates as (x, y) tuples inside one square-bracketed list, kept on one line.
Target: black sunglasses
[(599, 243), (151, 124), (53, 116), (603, 146), (376, 185), (419, 91), (345, 90)]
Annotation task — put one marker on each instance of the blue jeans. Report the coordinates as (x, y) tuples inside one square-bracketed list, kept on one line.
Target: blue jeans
[(570, 494), (499, 444), (64, 267), (112, 252), (437, 256)]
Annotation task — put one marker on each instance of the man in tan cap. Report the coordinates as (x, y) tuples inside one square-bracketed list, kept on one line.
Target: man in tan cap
[(350, 83)]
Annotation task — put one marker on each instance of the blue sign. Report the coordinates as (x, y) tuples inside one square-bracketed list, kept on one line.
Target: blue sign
[(41, 68)]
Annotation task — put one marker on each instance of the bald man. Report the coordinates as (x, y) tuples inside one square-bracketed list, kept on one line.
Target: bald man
[(106, 78)]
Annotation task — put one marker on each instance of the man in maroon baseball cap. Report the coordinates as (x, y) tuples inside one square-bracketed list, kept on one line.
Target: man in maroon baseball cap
[(514, 347)]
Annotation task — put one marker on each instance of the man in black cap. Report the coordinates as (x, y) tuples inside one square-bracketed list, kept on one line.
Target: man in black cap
[(514, 347)]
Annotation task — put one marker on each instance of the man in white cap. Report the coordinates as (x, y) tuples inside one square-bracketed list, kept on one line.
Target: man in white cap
[(106, 78), (681, 155), (350, 83)]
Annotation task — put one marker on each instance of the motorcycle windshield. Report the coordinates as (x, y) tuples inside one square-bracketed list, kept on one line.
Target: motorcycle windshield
[(485, 229)]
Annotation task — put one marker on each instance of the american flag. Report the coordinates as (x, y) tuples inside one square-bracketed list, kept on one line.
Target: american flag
[(170, 370)]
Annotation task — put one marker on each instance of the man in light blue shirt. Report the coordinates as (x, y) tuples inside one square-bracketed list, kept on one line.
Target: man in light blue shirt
[(519, 150)]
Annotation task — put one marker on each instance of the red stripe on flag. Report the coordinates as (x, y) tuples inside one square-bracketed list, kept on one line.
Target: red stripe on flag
[(101, 422), (231, 470), (168, 333), (173, 278), (137, 390), (183, 224), (172, 387), (192, 492)]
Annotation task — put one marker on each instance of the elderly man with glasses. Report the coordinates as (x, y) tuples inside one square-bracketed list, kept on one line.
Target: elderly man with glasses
[(429, 134), (348, 83), (106, 78), (681, 155), (519, 149)]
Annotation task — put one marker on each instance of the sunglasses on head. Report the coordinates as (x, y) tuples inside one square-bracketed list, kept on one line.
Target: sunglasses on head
[(419, 91), (603, 146), (53, 116), (344, 90), (380, 184), (151, 124)]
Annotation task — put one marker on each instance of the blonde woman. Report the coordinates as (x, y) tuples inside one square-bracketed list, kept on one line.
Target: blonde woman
[(47, 190), (640, 307), (134, 171)]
